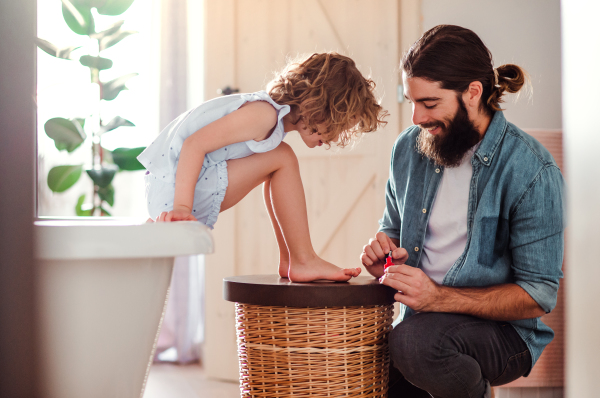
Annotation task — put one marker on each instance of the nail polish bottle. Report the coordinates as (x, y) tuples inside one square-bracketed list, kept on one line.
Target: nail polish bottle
[(388, 260)]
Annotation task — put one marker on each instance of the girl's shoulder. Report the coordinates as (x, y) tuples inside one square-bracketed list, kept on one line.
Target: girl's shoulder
[(263, 96), (259, 113), (263, 102), (229, 103)]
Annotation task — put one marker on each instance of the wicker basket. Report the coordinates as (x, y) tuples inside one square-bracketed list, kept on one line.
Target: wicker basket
[(313, 351)]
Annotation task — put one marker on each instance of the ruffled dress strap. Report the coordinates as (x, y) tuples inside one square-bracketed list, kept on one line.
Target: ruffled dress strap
[(278, 134)]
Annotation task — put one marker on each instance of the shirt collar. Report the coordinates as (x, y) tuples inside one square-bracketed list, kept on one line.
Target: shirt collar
[(491, 139)]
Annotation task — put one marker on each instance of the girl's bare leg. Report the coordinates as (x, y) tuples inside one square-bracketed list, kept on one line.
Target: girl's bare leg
[(289, 205), (284, 256)]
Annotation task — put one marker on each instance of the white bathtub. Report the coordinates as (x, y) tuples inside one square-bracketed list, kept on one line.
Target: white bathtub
[(103, 286)]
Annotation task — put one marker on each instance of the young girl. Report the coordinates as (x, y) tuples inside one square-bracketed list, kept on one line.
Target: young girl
[(210, 157)]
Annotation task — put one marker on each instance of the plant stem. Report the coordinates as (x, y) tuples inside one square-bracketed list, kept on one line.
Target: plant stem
[(96, 139)]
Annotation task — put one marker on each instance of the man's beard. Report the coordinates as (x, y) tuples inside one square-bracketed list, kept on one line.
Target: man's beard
[(449, 147)]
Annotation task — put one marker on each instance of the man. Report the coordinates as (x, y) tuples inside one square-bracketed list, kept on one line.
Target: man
[(474, 221)]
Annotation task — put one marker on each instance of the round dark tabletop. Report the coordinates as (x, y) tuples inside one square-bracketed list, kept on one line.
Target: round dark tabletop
[(276, 291)]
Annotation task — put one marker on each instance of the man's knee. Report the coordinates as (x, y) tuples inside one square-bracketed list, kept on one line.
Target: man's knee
[(412, 344), (420, 344)]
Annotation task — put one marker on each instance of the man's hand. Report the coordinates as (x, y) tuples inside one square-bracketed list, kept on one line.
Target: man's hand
[(373, 254), (415, 289), (176, 215)]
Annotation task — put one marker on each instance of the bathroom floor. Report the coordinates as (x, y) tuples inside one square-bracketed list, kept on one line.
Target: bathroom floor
[(186, 381)]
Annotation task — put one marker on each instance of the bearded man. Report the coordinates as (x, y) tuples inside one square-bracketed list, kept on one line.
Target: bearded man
[(474, 223)]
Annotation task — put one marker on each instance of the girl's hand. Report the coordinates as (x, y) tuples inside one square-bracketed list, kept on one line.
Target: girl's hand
[(176, 215)]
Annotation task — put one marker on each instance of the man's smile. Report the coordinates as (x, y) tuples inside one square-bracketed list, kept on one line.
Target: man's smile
[(433, 129)]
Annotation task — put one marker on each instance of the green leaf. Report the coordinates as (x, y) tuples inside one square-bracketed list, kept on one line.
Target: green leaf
[(102, 177), (104, 212), (48, 47), (116, 122), (111, 7), (126, 158), (96, 62), (81, 121), (79, 211), (104, 7), (113, 39), (107, 194), (107, 32), (61, 178), (65, 53), (78, 16), (112, 88), (67, 134), (53, 50)]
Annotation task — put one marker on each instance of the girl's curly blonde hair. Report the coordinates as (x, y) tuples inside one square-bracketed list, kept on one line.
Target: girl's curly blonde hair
[(328, 89)]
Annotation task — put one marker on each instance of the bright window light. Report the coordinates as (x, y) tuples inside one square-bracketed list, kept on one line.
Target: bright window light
[(64, 89)]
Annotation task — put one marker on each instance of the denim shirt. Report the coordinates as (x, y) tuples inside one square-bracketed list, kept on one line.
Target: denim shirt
[(515, 218)]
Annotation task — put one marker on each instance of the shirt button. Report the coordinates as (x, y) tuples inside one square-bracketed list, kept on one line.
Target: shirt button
[(424, 211), (416, 249), (437, 170), (485, 159)]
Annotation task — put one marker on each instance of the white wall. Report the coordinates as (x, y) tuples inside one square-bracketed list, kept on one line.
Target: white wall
[(526, 33), (581, 63)]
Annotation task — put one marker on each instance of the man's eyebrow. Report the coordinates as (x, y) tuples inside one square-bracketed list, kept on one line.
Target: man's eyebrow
[(425, 99)]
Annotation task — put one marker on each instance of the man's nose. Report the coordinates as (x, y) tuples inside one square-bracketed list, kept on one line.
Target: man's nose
[(418, 116)]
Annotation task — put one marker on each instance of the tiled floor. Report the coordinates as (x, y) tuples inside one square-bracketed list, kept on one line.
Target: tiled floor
[(186, 381)]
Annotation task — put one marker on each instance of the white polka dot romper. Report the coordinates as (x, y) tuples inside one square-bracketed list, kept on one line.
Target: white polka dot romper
[(161, 157)]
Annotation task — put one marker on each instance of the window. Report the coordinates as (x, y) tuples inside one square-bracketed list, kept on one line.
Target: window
[(64, 90)]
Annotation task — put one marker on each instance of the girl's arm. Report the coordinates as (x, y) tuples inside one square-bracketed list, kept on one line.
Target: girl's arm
[(253, 121)]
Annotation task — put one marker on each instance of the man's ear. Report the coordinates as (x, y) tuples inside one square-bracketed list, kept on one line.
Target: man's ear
[(472, 95)]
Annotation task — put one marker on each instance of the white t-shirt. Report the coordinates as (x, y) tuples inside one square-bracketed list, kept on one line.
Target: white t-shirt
[(446, 234)]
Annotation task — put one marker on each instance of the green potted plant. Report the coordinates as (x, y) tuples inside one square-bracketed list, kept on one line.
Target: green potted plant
[(69, 134)]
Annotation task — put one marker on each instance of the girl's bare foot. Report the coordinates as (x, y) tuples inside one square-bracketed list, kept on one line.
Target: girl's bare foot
[(318, 269), (284, 267)]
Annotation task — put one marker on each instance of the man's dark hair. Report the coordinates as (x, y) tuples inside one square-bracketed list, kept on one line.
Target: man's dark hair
[(455, 57)]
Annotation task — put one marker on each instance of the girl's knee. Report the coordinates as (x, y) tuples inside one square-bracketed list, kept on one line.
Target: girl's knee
[(285, 154), (284, 149)]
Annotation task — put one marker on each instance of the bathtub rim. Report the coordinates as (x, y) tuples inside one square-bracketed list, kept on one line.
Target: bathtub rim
[(79, 238)]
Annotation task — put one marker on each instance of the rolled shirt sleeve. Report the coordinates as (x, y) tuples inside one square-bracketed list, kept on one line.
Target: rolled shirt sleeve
[(537, 237), (390, 222)]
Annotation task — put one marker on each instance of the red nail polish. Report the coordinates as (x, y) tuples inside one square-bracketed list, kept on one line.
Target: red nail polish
[(388, 261)]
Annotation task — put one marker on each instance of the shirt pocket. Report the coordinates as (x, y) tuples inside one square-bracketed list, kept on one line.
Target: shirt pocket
[(493, 240)]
